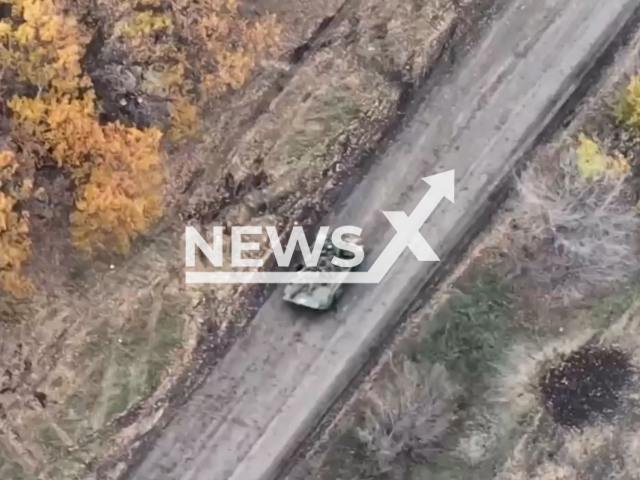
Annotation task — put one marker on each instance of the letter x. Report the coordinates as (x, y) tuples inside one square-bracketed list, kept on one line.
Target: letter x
[(417, 244)]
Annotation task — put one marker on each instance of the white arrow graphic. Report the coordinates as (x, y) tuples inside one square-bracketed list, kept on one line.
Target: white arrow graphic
[(407, 236), (418, 245), (408, 228)]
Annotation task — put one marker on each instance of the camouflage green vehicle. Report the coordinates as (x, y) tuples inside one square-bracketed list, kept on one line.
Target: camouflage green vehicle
[(321, 296)]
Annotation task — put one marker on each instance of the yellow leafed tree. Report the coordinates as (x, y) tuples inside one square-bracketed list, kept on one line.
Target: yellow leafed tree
[(118, 170), (197, 50), (15, 246), (122, 196), (190, 52)]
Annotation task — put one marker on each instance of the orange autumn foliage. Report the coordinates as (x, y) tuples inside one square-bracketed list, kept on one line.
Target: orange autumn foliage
[(15, 246), (195, 51), (189, 53), (122, 195), (118, 170)]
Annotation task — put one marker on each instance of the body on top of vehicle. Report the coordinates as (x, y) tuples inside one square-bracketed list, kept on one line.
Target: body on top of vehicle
[(321, 296)]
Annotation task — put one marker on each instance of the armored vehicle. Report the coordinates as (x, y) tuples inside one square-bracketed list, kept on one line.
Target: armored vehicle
[(321, 296)]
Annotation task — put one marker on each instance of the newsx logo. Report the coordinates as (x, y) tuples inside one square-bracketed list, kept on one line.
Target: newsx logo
[(214, 253), (407, 236)]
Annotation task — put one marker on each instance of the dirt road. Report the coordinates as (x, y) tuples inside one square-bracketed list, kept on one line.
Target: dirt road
[(275, 384)]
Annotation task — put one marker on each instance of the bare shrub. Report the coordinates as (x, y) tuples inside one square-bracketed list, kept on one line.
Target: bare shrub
[(573, 233), (408, 415)]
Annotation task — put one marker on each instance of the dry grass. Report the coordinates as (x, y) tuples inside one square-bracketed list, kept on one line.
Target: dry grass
[(93, 362), (591, 453), (572, 232), (408, 416)]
